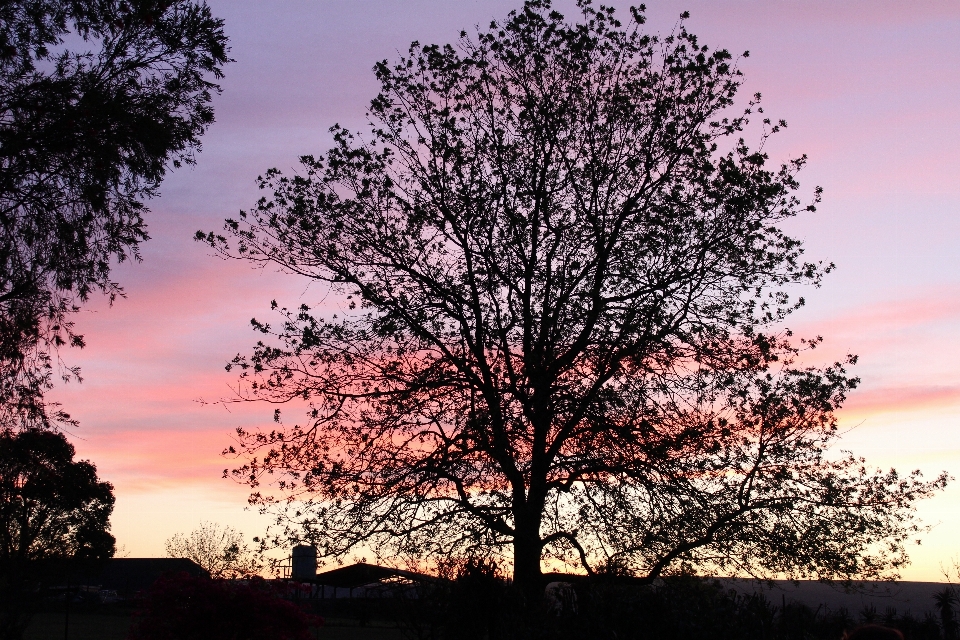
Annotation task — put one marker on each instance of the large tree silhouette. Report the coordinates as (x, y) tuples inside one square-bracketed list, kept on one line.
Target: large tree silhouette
[(54, 516), (98, 99), (557, 270)]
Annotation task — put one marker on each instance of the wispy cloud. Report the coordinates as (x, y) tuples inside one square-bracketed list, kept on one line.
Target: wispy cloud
[(878, 400)]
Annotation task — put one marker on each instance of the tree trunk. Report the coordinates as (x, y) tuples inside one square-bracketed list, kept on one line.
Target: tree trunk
[(527, 576)]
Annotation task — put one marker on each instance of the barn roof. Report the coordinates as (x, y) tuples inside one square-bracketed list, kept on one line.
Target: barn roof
[(356, 575)]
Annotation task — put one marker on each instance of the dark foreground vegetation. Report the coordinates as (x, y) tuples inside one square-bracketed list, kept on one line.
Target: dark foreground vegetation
[(183, 607), (476, 605), (479, 606)]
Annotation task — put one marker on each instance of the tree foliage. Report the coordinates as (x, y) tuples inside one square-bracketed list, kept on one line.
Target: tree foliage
[(97, 100), (54, 512), (558, 274), (220, 550)]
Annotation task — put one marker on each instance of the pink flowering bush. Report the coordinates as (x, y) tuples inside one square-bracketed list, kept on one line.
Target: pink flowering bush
[(182, 607)]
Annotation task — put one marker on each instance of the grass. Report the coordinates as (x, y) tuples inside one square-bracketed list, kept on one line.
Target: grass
[(83, 626), (114, 626)]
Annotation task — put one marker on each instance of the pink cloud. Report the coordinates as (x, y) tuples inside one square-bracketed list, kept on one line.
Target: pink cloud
[(907, 357), (900, 399), (139, 461), (888, 315)]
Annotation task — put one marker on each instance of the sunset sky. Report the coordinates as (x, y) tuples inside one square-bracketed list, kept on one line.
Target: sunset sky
[(871, 92)]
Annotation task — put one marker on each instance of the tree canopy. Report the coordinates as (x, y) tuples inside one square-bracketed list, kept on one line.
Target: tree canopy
[(54, 511), (554, 331), (221, 550), (98, 99)]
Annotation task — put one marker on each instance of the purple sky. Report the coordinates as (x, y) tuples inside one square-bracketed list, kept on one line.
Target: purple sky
[(871, 91)]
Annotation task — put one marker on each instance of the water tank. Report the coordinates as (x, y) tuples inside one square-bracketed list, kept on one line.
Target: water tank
[(303, 565)]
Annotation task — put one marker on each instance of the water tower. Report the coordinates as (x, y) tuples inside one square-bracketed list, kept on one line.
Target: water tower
[(303, 562)]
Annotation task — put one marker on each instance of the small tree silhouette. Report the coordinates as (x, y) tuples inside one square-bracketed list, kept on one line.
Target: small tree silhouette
[(221, 550), (945, 599)]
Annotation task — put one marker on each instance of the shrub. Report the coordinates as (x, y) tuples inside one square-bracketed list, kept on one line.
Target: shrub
[(182, 607)]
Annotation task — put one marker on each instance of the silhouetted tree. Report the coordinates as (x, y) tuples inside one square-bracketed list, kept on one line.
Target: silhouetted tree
[(98, 98), (944, 600), (54, 513), (556, 268), (220, 550)]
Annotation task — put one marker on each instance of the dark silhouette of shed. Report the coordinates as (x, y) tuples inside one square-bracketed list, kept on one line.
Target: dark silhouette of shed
[(127, 576), (362, 580)]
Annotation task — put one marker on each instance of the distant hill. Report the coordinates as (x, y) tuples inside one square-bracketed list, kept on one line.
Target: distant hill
[(915, 597)]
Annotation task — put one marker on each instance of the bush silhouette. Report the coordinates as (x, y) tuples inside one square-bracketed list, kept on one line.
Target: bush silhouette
[(181, 607)]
